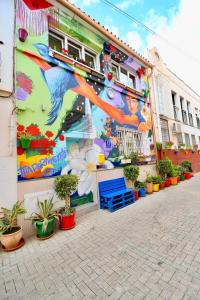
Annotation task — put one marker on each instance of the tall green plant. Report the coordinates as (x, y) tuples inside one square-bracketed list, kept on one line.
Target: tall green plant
[(65, 185), (164, 167), (131, 173), (9, 217)]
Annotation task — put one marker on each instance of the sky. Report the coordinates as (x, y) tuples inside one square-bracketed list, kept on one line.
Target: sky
[(176, 22)]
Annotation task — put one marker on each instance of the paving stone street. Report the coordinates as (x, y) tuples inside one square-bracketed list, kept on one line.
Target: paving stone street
[(149, 250)]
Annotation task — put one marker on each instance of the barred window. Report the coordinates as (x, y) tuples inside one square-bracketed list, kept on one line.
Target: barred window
[(129, 140)]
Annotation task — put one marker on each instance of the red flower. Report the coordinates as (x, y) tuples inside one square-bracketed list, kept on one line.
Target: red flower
[(43, 143), (52, 143), (24, 82), (61, 137), (49, 134), (50, 151), (20, 128), (44, 152), (33, 130), (20, 150)]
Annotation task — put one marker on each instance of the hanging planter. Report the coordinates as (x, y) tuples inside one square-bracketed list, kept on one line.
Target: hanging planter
[(22, 34)]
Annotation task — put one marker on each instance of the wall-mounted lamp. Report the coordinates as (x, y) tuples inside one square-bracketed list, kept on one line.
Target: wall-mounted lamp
[(22, 34)]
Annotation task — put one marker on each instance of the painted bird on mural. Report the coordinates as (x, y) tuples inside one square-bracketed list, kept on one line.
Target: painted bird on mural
[(60, 78)]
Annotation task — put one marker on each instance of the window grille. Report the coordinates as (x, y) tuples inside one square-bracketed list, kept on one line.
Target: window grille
[(130, 141)]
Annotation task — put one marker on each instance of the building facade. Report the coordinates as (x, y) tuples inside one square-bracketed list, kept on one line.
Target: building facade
[(79, 104), (176, 107)]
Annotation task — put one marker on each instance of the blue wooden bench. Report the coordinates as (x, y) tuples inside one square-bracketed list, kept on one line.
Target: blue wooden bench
[(114, 194)]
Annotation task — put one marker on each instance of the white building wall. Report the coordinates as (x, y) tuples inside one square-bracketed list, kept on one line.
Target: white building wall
[(8, 168), (166, 82)]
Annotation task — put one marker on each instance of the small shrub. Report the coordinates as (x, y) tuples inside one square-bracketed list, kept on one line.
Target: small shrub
[(131, 173)]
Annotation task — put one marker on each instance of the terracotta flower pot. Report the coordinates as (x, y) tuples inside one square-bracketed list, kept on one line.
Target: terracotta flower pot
[(149, 187), (173, 180), (156, 187), (178, 179), (11, 240), (67, 221), (162, 185)]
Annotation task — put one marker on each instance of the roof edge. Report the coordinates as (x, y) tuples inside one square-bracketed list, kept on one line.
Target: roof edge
[(104, 31)]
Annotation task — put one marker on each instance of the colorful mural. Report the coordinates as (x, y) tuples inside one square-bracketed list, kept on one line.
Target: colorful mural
[(68, 117)]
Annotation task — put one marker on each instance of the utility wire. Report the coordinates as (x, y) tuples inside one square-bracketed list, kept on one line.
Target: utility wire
[(168, 42)]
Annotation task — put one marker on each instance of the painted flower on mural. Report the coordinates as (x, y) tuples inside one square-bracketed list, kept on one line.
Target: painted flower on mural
[(24, 86), (33, 130), (82, 162), (49, 134), (31, 139)]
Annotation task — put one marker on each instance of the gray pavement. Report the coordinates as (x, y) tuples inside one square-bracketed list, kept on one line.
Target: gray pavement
[(148, 250)]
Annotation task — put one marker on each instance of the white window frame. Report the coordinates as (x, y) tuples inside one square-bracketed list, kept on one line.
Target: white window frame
[(84, 48), (57, 36), (116, 65), (130, 140)]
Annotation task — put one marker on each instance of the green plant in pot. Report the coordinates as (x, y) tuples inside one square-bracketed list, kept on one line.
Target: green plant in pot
[(164, 167), (162, 183), (173, 175), (64, 186), (158, 146), (149, 184), (134, 157), (10, 232), (141, 186), (131, 174), (44, 219), (179, 170), (156, 183)]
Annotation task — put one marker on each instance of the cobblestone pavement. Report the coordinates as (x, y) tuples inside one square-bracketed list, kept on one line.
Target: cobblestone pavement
[(149, 250)]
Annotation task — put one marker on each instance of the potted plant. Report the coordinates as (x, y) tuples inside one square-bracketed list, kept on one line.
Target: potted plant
[(149, 184), (44, 219), (164, 167), (131, 173), (187, 167), (65, 185), (168, 145), (173, 175), (141, 186), (196, 146), (10, 232), (156, 182), (179, 170), (162, 183), (158, 146), (134, 157)]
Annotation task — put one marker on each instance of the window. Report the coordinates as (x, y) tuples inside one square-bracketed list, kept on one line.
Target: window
[(115, 72), (179, 138), (164, 130), (174, 106), (187, 139), (74, 50), (132, 81), (123, 76), (56, 42), (129, 140), (193, 139), (90, 59)]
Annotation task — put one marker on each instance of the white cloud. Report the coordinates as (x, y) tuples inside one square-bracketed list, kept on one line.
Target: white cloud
[(127, 3), (84, 2), (183, 32), (134, 40)]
